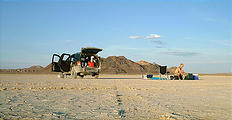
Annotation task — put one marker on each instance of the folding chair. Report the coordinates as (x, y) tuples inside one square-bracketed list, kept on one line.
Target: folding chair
[(163, 71)]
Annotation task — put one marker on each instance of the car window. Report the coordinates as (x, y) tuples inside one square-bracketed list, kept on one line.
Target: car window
[(76, 57), (65, 57), (56, 59)]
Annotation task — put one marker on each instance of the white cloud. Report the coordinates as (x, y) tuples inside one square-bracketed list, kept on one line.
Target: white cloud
[(153, 36), (134, 37)]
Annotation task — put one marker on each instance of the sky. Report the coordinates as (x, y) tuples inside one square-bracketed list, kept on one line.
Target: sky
[(194, 32)]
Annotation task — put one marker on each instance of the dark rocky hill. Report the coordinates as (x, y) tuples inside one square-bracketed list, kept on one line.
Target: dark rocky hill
[(122, 65), (110, 65)]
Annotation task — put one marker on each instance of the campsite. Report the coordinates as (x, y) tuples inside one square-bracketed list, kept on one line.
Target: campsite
[(115, 60), (38, 93)]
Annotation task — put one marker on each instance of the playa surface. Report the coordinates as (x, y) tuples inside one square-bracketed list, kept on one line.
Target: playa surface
[(40, 96)]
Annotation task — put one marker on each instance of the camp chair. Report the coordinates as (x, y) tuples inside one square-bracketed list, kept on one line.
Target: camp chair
[(163, 71)]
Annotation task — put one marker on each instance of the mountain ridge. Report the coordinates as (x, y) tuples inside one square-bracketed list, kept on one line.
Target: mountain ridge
[(110, 65)]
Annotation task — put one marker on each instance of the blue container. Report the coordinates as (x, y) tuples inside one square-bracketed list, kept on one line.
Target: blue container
[(149, 76), (195, 77), (155, 78), (163, 78)]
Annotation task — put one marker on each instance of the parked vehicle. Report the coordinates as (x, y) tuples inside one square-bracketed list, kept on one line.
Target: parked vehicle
[(80, 64)]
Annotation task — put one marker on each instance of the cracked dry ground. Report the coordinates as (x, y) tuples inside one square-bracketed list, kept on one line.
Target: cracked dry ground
[(28, 96)]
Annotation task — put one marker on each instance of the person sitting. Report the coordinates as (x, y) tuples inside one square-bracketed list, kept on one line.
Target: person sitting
[(180, 73)]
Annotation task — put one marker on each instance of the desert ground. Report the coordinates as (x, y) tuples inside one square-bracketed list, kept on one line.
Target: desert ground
[(44, 96)]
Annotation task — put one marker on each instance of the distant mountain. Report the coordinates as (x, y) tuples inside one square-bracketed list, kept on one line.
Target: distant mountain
[(32, 69), (37, 67), (47, 69), (122, 65), (110, 65)]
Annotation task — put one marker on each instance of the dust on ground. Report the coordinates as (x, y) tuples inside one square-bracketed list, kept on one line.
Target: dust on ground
[(28, 96)]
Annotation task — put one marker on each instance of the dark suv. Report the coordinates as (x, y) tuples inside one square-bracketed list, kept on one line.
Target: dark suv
[(86, 62)]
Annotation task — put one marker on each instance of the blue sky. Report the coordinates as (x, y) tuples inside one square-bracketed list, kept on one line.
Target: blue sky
[(196, 33)]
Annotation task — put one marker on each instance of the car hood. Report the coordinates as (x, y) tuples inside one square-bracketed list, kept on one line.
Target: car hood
[(90, 50)]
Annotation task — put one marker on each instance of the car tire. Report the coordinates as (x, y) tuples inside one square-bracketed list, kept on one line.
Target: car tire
[(61, 75), (74, 75), (96, 76), (81, 76)]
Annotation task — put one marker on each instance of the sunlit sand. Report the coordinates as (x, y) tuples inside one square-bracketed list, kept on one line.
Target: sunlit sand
[(28, 96)]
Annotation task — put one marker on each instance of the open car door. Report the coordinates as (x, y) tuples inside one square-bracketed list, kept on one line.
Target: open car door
[(61, 63), (64, 62), (55, 66)]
